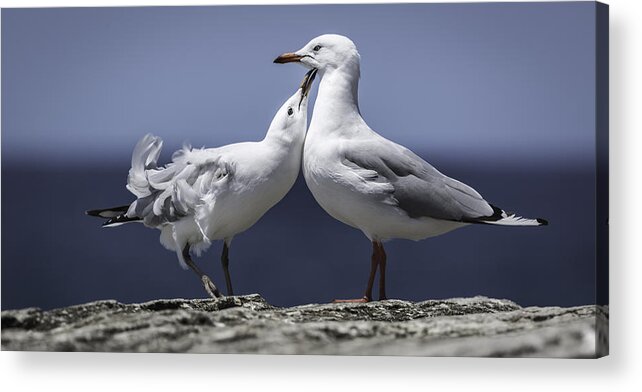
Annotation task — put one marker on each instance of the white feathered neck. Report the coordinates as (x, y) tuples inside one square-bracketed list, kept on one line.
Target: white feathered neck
[(337, 102)]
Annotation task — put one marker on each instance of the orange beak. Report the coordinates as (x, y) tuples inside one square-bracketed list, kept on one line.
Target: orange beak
[(288, 58)]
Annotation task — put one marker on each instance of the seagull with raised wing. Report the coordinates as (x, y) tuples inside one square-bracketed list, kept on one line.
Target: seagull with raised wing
[(212, 194), (369, 182)]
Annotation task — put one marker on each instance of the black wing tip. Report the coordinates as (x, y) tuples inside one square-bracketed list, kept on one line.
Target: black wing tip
[(120, 219), (542, 222), (498, 214), (93, 212), (108, 212)]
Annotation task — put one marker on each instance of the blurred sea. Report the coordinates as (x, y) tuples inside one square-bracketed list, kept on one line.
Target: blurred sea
[(53, 255)]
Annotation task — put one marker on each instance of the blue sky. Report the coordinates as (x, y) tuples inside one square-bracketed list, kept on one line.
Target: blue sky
[(505, 82)]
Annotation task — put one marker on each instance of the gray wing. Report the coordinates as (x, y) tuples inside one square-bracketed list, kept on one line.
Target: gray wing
[(418, 188)]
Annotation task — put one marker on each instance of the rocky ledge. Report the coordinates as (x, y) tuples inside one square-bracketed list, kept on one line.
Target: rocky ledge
[(475, 326)]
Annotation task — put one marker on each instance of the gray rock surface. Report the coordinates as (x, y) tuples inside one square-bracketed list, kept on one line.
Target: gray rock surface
[(475, 326)]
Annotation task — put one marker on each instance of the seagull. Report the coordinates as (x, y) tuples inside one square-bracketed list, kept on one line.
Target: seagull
[(369, 182), (212, 194)]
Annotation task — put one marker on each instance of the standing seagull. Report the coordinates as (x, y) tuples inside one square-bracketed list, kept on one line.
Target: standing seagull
[(216, 193), (369, 182)]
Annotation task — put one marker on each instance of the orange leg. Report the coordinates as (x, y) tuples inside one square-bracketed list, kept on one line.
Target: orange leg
[(378, 260), (382, 273)]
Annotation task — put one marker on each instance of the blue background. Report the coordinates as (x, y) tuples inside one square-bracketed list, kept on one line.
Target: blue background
[(499, 96)]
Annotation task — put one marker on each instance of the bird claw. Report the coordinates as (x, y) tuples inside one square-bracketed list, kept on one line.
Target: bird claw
[(210, 287)]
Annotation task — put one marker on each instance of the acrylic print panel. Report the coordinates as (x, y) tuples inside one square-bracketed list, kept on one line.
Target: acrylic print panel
[(509, 99)]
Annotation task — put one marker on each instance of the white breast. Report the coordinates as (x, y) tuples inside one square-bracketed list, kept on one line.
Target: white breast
[(261, 179)]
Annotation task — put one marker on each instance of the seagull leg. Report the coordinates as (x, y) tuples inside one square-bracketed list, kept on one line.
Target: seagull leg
[(225, 262), (207, 282), (382, 272), (374, 261)]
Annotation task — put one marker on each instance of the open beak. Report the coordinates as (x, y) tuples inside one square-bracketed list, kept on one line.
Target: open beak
[(306, 84), (288, 58)]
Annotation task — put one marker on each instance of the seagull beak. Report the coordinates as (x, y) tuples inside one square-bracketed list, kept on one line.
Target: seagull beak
[(306, 84), (288, 58)]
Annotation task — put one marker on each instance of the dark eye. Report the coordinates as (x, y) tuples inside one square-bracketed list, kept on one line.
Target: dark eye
[(290, 111), (317, 48)]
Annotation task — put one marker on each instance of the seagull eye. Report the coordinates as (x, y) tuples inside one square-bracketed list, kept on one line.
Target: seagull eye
[(290, 111), (317, 48)]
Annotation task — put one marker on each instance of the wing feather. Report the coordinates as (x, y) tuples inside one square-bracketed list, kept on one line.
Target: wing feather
[(190, 183), (415, 186)]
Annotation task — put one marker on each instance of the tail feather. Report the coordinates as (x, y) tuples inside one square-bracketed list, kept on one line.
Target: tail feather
[(503, 218)]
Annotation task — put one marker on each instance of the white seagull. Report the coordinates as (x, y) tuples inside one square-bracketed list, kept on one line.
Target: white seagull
[(216, 193), (369, 182)]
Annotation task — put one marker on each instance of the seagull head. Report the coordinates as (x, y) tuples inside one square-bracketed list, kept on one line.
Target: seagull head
[(294, 111), (325, 52)]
